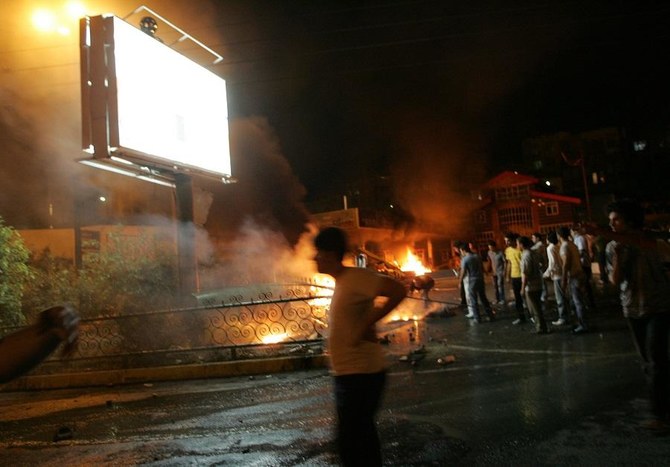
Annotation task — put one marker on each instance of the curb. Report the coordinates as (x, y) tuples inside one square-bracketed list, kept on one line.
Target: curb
[(167, 373)]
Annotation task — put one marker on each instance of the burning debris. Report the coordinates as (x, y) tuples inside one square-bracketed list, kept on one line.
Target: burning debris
[(446, 360)]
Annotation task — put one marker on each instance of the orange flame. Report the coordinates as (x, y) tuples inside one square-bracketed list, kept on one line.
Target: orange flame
[(274, 338), (324, 287), (414, 264)]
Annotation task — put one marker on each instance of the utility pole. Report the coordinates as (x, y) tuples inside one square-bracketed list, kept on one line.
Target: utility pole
[(580, 162), (188, 271)]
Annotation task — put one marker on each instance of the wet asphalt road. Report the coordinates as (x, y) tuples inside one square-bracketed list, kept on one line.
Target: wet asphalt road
[(510, 398)]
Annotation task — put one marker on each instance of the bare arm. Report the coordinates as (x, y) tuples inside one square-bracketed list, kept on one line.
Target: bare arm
[(23, 350), (395, 292), (618, 260), (565, 267)]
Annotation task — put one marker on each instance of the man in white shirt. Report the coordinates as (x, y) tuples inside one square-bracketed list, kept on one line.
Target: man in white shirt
[(356, 358), (638, 263), (554, 272)]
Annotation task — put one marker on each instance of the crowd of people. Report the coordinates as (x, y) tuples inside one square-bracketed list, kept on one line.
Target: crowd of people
[(535, 268), (634, 261)]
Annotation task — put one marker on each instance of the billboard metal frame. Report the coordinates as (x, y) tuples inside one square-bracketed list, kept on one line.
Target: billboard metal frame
[(100, 129)]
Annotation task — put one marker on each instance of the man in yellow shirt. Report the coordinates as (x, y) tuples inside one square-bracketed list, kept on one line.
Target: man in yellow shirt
[(513, 259)]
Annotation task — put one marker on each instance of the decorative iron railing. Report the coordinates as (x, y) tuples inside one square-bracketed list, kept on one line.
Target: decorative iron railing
[(222, 327)]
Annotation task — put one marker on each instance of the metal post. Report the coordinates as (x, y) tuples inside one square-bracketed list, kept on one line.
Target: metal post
[(586, 188), (188, 271), (77, 235)]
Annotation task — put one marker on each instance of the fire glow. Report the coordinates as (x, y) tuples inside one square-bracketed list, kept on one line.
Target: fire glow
[(275, 338), (414, 264), (323, 287)]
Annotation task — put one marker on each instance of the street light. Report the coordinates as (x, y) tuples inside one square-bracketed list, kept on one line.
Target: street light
[(580, 163), (44, 20), (59, 20)]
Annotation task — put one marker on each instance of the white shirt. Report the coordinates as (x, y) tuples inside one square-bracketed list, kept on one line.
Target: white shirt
[(355, 291), (555, 265)]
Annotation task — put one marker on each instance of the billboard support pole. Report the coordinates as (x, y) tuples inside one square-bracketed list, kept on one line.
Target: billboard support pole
[(187, 264)]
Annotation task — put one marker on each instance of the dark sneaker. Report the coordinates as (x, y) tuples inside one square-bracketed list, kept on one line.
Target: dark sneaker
[(579, 329)]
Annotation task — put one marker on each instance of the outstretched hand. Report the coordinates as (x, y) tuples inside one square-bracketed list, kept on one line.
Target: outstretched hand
[(63, 322)]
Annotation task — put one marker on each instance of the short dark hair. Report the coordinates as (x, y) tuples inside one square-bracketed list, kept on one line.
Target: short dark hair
[(492, 243), (511, 235), (563, 232), (525, 241), (630, 210), (538, 235), (332, 239), (552, 237)]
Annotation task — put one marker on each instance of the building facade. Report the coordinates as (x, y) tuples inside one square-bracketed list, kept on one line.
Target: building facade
[(511, 202)]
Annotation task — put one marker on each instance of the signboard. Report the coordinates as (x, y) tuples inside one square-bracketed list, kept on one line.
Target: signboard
[(147, 108), (344, 219)]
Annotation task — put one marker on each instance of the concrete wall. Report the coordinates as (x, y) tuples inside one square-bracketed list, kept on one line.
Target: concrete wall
[(59, 241)]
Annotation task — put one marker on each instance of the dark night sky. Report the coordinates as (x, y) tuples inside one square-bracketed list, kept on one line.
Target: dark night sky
[(359, 87), (438, 94)]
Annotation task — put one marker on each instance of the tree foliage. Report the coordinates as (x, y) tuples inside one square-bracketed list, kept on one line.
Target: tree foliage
[(129, 275), (15, 274)]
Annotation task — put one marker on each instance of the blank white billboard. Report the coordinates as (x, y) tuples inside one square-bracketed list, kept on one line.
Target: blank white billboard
[(162, 106)]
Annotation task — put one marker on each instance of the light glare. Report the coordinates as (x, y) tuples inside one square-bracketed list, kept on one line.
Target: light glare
[(44, 20), (75, 10), (169, 107)]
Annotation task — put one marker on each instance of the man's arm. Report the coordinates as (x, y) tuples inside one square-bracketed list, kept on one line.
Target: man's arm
[(564, 270), (508, 268), (618, 259), (546, 274), (395, 292), (22, 350), (524, 270)]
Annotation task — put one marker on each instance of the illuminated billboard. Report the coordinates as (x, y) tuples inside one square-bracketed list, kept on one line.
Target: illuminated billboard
[(147, 109)]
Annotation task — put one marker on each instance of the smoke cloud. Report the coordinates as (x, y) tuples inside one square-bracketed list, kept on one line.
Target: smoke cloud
[(253, 224), (267, 192)]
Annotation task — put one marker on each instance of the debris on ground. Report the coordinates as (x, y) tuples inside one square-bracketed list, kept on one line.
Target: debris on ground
[(63, 433), (446, 360)]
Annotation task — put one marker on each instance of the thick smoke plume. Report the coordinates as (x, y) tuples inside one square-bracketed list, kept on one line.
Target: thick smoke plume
[(267, 191), (253, 224)]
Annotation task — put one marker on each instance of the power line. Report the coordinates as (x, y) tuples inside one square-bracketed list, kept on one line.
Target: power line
[(427, 39), (432, 19), (396, 43), (275, 19)]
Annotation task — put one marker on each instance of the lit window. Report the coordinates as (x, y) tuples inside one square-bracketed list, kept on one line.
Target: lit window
[(551, 208), (515, 217), (639, 145), (512, 192)]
